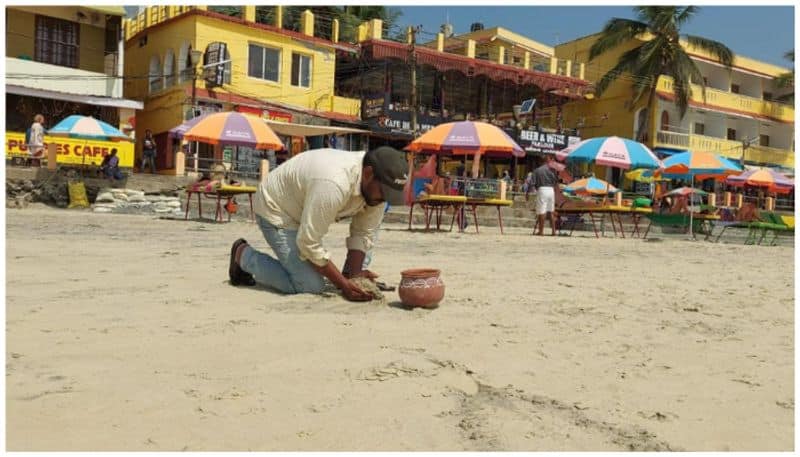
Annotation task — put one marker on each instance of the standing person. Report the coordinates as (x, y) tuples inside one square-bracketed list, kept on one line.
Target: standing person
[(527, 186), (149, 151), (35, 140), (545, 181), (296, 206)]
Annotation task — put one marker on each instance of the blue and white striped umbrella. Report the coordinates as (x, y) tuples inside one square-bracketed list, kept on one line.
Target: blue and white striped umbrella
[(87, 127)]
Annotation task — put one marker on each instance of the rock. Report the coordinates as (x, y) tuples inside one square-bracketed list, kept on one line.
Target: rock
[(132, 192), (154, 198), (104, 205), (174, 204), (102, 209), (162, 210), (121, 197), (138, 199), (27, 185), (105, 197)]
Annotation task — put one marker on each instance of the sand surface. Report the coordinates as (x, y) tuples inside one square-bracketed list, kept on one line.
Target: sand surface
[(122, 333)]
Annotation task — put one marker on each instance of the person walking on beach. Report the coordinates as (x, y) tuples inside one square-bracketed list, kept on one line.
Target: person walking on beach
[(149, 151), (545, 181), (35, 140), (296, 206)]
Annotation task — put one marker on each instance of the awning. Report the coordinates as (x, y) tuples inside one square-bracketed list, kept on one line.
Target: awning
[(77, 98), (284, 128)]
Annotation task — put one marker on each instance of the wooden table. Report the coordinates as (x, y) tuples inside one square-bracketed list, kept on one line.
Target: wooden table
[(435, 205), (598, 213), (213, 189), (474, 203)]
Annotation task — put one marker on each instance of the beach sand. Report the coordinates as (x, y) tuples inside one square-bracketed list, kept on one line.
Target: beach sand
[(122, 333)]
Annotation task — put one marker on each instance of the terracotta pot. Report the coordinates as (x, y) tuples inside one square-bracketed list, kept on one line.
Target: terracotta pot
[(421, 287)]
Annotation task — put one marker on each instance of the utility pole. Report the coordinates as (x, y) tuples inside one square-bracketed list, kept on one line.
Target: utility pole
[(413, 62)]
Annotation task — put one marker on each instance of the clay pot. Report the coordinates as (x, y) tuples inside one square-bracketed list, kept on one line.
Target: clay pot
[(421, 287)]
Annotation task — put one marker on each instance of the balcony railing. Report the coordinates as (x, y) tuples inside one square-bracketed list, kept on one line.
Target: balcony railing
[(725, 148), (734, 102)]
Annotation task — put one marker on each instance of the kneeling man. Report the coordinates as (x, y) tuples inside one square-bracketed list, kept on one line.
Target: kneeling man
[(296, 205)]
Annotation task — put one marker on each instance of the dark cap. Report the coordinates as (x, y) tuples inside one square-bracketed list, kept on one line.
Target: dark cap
[(391, 169)]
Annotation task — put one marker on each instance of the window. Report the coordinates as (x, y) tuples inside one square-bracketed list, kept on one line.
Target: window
[(731, 134), (735, 88), (699, 128), (169, 68), (763, 140), (57, 41), (301, 70), (767, 96), (264, 63), (482, 55), (155, 76)]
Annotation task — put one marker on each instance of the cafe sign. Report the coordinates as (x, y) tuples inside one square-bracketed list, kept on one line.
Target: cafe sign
[(72, 151), (381, 119)]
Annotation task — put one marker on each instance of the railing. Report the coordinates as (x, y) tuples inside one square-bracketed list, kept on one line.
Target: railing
[(150, 16), (764, 154), (726, 148), (733, 102)]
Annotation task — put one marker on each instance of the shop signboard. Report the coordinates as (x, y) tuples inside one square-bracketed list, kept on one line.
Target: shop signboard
[(537, 141), (382, 119), (72, 151)]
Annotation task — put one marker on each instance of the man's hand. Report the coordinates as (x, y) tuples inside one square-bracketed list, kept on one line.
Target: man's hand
[(354, 293)]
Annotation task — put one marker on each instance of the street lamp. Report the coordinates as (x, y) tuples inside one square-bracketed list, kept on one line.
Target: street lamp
[(195, 59)]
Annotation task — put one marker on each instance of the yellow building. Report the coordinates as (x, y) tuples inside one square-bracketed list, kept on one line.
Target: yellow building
[(183, 61), (503, 46), (63, 60), (739, 108)]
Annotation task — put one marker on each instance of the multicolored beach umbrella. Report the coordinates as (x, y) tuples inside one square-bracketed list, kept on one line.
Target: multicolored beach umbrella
[(234, 129), (764, 177), (88, 128), (685, 191), (611, 151), (464, 138), (591, 186), (180, 130), (698, 165)]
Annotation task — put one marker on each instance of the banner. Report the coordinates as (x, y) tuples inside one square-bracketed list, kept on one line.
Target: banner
[(383, 117), (72, 151), (544, 142)]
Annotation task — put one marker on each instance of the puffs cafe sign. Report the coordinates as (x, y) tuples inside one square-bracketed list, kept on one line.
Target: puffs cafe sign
[(73, 151)]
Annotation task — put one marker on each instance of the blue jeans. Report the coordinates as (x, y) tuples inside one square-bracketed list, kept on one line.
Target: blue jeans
[(114, 173), (287, 273)]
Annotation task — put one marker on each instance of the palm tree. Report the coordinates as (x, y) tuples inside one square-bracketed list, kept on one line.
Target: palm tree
[(787, 80), (661, 55)]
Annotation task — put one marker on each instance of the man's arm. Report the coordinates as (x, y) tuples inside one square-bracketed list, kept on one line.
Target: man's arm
[(361, 239), (320, 209)]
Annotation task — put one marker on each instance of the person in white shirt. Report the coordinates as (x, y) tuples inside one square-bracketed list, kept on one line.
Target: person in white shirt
[(296, 205), (36, 141)]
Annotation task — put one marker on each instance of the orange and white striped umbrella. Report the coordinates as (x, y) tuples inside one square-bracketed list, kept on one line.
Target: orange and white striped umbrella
[(235, 129), (464, 138)]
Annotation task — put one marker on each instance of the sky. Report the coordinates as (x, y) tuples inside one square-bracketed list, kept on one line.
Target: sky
[(763, 33)]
